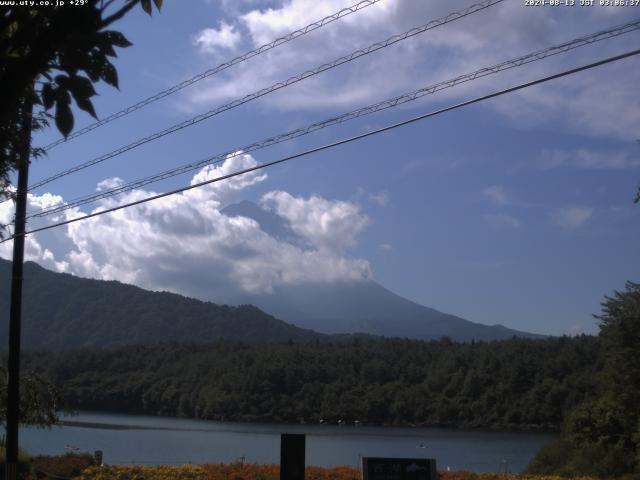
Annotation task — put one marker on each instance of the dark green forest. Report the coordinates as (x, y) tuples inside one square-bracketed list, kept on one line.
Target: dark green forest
[(515, 384), (62, 311)]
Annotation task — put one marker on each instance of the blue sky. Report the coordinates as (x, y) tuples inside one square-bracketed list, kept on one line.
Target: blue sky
[(517, 211)]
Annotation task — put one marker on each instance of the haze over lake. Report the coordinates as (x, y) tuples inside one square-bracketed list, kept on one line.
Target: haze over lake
[(130, 439)]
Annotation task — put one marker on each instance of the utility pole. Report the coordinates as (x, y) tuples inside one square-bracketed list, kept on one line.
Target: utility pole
[(15, 315)]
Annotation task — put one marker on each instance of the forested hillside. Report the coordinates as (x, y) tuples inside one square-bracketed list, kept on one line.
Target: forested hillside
[(523, 384), (61, 311)]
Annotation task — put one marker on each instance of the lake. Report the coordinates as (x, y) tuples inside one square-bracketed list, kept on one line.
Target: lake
[(133, 439)]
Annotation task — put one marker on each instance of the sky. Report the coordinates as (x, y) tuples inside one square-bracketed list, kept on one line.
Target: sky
[(516, 211)]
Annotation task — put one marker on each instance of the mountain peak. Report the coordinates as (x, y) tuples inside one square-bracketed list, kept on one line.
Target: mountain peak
[(368, 307)]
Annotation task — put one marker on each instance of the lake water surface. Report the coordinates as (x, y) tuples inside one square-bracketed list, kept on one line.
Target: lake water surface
[(132, 439)]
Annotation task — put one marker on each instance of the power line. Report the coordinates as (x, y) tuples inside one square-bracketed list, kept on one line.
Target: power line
[(277, 86), (223, 66), (383, 105), (337, 143)]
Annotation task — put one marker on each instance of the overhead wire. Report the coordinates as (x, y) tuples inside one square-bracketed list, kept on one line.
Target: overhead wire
[(353, 114), (336, 143), (217, 69), (277, 86)]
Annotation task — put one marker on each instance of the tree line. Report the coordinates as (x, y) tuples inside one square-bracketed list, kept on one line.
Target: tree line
[(515, 384)]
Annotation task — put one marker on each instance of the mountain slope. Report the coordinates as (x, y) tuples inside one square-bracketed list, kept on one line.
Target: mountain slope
[(348, 307), (61, 311), (368, 307)]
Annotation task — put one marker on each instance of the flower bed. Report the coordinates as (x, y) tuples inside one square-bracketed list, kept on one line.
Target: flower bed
[(162, 472), (239, 471)]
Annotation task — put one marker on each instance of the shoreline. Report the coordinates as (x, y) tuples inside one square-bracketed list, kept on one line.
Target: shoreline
[(513, 428)]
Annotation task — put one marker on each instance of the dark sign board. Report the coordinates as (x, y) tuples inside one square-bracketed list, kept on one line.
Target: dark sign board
[(398, 468), (292, 461)]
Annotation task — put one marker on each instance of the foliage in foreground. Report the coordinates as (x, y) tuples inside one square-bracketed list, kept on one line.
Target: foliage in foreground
[(23, 461), (264, 472), (213, 472), (48, 467), (601, 437), (40, 400), (62, 466), (462, 475), (82, 467), (49, 56)]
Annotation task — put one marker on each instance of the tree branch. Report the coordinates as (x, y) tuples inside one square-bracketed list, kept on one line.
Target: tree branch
[(119, 14), (105, 5)]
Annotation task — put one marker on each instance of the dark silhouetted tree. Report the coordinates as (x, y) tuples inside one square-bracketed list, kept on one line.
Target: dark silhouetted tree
[(50, 56)]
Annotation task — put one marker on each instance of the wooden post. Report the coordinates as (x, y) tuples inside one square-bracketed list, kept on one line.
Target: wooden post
[(15, 313)]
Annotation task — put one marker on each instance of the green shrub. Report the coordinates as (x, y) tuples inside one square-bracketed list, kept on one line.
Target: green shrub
[(23, 462), (69, 465)]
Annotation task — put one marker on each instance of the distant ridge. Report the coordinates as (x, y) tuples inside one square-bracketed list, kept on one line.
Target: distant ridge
[(61, 311)]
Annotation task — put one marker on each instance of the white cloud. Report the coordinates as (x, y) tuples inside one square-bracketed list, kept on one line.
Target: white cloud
[(572, 217), (109, 183), (502, 219), (210, 40), (386, 247), (583, 158), (267, 24), (34, 249), (597, 102), (184, 243), (228, 190), (496, 194), (381, 199), (327, 225)]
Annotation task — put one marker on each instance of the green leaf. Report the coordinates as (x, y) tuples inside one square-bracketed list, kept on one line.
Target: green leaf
[(62, 81), (62, 96), (158, 4), (48, 96), (82, 90), (86, 105), (81, 87), (109, 74), (71, 58), (108, 50), (64, 117), (94, 66), (117, 39), (146, 6)]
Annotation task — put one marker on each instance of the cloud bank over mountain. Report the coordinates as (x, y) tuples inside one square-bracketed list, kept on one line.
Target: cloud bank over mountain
[(185, 243)]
